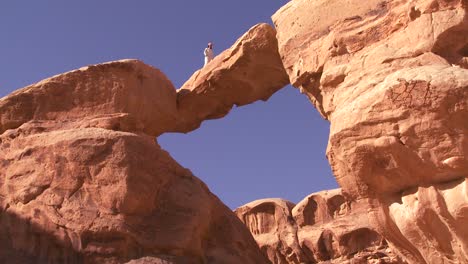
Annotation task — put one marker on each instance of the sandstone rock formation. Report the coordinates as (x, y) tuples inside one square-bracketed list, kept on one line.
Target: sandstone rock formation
[(82, 179), (325, 226), (249, 71), (392, 78), (78, 190)]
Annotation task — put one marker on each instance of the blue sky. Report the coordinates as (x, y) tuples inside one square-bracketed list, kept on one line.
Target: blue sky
[(267, 149)]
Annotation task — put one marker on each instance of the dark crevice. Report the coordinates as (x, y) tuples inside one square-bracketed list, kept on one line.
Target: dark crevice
[(414, 13), (464, 51), (325, 245), (309, 212), (400, 141)]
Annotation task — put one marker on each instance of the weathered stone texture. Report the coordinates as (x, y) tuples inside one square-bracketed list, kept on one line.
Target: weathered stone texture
[(323, 227), (392, 78)]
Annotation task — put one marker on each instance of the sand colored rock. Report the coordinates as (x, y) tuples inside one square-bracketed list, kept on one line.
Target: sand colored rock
[(92, 195), (82, 180), (392, 78), (325, 226), (250, 70), (385, 83)]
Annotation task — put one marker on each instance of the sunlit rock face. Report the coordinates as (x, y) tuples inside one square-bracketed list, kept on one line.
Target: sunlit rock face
[(392, 78), (323, 227)]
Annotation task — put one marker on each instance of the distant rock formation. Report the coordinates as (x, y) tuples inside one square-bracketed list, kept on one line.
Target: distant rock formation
[(82, 179), (392, 78), (325, 226)]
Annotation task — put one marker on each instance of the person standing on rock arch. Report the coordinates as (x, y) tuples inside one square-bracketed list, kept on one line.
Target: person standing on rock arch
[(209, 55)]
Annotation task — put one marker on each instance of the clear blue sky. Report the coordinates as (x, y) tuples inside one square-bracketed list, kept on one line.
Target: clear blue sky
[(272, 149)]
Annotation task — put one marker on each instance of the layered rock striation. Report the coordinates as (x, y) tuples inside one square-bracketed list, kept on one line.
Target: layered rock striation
[(392, 79)]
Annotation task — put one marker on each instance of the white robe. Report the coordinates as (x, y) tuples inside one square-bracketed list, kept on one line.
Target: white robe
[(209, 55)]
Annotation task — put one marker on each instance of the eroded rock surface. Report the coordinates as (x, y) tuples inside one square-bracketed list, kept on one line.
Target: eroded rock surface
[(392, 78), (434, 219), (324, 227), (250, 70), (271, 224)]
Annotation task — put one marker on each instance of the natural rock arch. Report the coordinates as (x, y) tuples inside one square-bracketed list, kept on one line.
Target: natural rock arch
[(266, 149), (78, 160)]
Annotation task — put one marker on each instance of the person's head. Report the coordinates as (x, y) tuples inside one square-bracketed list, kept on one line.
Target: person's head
[(210, 45)]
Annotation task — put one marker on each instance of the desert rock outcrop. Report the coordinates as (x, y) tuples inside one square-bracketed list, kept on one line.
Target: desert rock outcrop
[(324, 226), (392, 78)]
